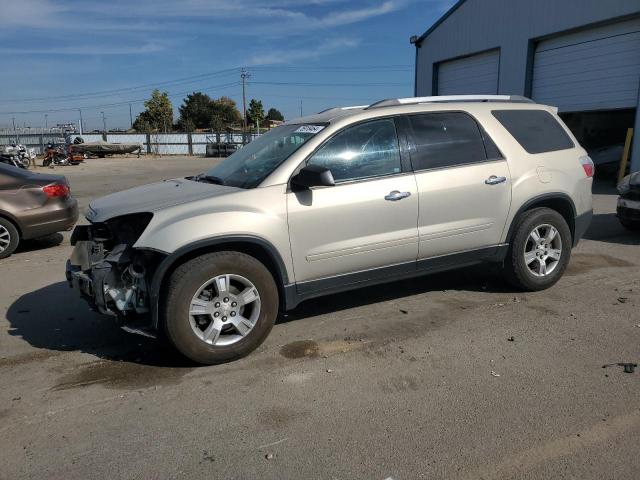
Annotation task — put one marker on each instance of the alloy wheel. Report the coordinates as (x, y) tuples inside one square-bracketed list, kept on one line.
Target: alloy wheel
[(224, 310), (542, 250), (5, 238)]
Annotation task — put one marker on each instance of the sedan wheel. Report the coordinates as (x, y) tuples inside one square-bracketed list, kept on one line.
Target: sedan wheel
[(8, 238)]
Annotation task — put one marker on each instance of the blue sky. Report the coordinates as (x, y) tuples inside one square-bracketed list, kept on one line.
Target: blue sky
[(102, 55)]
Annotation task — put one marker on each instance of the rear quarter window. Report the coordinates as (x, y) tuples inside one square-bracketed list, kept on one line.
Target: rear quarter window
[(537, 131)]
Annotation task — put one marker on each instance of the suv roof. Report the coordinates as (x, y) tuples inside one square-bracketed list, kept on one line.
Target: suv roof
[(332, 114)]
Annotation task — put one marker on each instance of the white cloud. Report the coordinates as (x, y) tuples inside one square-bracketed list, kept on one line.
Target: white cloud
[(280, 56), (87, 50)]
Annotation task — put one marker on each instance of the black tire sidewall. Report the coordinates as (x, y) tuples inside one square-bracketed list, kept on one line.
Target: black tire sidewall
[(518, 272), (189, 277), (14, 237)]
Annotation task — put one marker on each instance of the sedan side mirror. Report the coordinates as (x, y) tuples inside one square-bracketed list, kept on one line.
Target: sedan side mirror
[(313, 176)]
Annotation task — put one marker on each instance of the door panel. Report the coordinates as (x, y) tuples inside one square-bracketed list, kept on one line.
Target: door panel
[(463, 183), (459, 211), (351, 227)]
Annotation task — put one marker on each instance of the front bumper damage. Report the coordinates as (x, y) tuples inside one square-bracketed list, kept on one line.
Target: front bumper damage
[(111, 275)]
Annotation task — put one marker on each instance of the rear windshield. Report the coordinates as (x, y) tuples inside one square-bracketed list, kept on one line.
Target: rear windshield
[(536, 130)]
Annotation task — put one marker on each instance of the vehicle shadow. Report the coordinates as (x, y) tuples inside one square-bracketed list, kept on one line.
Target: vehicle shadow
[(481, 278), (605, 227), (55, 318), (41, 243)]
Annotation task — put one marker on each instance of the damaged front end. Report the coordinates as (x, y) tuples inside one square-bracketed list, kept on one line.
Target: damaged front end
[(109, 273)]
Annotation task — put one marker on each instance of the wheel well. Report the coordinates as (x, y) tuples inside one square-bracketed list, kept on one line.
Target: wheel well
[(256, 250), (559, 203)]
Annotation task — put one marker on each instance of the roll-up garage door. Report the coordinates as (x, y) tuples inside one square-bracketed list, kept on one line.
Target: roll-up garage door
[(592, 69), (477, 74)]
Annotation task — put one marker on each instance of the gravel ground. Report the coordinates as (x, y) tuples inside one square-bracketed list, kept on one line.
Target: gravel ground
[(449, 376)]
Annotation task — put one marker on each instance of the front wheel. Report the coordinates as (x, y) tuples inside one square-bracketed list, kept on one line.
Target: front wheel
[(539, 251), (220, 307)]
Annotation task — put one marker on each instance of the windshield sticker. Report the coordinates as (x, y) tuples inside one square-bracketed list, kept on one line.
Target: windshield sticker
[(310, 129)]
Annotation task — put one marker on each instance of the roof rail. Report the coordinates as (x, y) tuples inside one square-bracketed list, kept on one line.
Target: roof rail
[(338, 109), (450, 98)]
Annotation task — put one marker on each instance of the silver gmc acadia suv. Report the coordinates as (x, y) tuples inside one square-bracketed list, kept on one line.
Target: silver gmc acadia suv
[(339, 200)]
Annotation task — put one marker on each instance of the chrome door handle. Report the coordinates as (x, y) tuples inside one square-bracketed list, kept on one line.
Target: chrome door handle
[(396, 195), (493, 180)]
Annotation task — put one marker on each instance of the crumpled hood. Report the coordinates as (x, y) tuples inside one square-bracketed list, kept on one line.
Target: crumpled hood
[(153, 197)]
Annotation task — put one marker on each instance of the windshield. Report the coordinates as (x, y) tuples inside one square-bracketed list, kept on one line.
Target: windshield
[(254, 162)]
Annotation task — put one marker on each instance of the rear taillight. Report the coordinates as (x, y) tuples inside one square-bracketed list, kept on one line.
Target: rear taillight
[(56, 190), (588, 166)]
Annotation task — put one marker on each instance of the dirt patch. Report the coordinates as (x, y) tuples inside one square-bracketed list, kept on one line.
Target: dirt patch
[(24, 358), (300, 349), (276, 417), (121, 375), (585, 262), (546, 311), (311, 349)]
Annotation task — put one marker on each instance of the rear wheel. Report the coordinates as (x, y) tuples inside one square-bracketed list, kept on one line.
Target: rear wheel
[(539, 251), (220, 306), (9, 238)]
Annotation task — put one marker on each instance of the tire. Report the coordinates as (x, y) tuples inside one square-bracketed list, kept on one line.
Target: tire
[(533, 276), (184, 330), (9, 238), (630, 225)]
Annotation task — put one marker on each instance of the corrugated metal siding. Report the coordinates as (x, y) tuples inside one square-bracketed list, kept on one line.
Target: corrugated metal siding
[(477, 74), (480, 25), (592, 69)]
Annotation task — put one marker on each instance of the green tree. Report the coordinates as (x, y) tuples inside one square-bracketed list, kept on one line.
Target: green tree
[(224, 114), (196, 111), (274, 114), (255, 113), (158, 113)]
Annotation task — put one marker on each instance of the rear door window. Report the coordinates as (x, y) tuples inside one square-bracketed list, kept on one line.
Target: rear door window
[(537, 131), (446, 139)]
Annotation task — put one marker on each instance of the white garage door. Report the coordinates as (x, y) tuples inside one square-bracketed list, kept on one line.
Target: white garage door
[(477, 74), (593, 69)]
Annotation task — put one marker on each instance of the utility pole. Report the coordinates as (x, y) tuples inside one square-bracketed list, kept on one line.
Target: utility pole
[(104, 123), (244, 75), (301, 107), (80, 112), (130, 117), (46, 121)]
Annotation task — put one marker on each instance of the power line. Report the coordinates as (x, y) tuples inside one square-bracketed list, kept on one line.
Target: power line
[(310, 84), (228, 71), (116, 104), (126, 89)]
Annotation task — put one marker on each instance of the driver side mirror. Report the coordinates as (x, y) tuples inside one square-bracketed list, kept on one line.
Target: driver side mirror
[(313, 176)]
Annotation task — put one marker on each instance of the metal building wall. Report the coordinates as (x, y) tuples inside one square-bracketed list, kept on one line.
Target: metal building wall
[(479, 25)]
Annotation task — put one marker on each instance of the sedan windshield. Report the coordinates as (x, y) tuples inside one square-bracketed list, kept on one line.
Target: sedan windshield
[(254, 162)]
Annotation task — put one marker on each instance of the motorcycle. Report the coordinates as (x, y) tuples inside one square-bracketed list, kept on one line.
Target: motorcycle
[(57, 155), (20, 154), (13, 160)]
